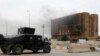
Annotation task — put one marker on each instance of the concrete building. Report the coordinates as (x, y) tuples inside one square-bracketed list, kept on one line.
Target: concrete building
[(67, 26)]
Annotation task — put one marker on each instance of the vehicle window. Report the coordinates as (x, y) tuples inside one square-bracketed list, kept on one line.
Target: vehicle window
[(39, 39), (31, 38)]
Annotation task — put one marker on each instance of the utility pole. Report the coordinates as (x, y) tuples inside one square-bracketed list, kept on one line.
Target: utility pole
[(28, 11), (43, 29)]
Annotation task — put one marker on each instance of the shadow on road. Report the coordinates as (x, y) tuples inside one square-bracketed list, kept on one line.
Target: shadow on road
[(24, 53), (33, 53)]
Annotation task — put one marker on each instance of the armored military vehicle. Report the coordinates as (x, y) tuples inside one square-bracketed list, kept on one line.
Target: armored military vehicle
[(24, 40)]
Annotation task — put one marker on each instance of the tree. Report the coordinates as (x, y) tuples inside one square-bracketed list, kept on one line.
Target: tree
[(64, 38), (79, 28)]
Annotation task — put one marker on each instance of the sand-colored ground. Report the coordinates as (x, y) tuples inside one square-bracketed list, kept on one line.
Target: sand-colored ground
[(55, 52)]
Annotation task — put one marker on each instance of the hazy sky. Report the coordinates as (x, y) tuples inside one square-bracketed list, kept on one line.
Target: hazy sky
[(14, 12)]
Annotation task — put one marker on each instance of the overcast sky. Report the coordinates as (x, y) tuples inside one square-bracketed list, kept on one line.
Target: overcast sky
[(15, 12)]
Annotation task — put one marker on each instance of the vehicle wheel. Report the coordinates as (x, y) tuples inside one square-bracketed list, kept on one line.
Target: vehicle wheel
[(3, 50), (35, 51), (17, 49), (47, 49)]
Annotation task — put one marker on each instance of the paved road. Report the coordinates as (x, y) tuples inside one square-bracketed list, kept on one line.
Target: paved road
[(55, 53)]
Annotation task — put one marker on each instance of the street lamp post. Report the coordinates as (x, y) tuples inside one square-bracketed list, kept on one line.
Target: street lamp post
[(28, 17), (6, 29)]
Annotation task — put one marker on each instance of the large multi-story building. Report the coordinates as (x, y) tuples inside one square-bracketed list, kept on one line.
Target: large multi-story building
[(67, 26)]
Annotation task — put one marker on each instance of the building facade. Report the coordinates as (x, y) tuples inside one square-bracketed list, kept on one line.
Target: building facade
[(67, 25)]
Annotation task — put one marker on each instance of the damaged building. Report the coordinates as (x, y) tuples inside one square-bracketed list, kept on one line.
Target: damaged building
[(75, 26)]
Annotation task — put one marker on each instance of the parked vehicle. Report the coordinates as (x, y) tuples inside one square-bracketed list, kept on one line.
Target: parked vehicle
[(25, 40)]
